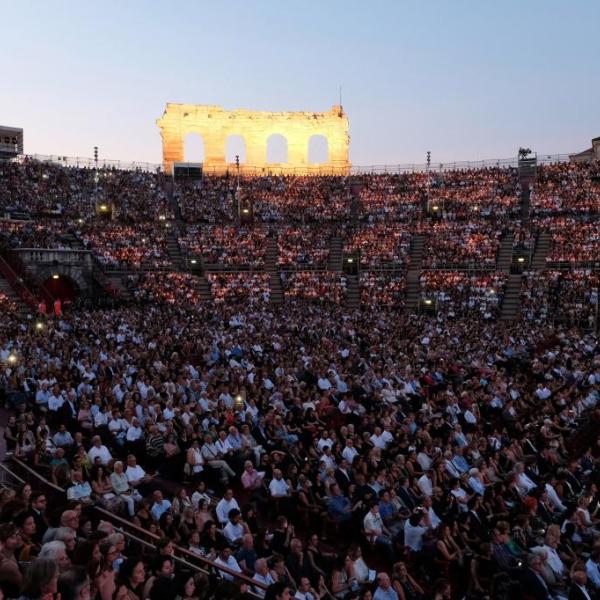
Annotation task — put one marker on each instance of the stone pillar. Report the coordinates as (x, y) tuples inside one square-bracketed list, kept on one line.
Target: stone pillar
[(214, 150), (172, 149)]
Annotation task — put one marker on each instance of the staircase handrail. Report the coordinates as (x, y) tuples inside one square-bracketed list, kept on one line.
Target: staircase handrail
[(17, 283)]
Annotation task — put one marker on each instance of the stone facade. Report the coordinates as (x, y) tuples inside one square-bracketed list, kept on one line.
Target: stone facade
[(215, 125), (590, 155)]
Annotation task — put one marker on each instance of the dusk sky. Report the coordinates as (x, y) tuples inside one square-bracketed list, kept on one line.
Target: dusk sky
[(464, 79)]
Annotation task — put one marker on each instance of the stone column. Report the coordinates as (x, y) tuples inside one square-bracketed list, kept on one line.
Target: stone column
[(172, 148)]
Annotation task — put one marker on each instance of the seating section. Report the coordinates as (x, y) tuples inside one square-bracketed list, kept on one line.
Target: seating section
[(380, 245), (241, 287), (303, 246), (178, 289), (463, 294), (379, 289), (321, 287)]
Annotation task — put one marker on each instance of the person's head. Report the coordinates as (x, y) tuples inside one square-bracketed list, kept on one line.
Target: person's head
[(132, 572), (9, 536), (41, 578), (186, 586), (56, 551), (26, 524), (261, 566), (70, 518), (74, 584), (164, 566), (67, 536), (579, 577), (278, 591), (86, 552), (383, 580), (535, 562), (38, 501)]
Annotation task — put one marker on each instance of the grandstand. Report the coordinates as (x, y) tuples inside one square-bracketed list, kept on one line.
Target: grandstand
[(381, 372)]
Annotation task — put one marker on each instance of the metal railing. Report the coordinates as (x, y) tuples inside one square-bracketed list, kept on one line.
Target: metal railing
[(183, 556), (282, 169)]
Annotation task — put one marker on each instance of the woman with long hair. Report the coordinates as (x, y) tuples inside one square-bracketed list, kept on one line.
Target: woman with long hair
[(130, 580)]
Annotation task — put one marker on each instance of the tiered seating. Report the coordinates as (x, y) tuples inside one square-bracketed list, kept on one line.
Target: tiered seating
[(382, 290), (571, 296), (315, 286), (380, 245), (303, 246), (463, 294), (241, 287), (566, 188), (179, 289), (460, 245), (226, 245), (127, 247), (573, 241)]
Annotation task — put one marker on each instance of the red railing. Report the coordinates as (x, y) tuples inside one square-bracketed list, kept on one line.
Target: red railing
[(17, 284)]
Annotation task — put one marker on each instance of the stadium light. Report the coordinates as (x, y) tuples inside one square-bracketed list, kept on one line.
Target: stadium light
[(521, 259), (55, 276), (12, 359), (39, 326), (103, 207), (428, 302), (435, 207), (193, 261), (161, 217), (239, 402), (350, 260), (245, 211)]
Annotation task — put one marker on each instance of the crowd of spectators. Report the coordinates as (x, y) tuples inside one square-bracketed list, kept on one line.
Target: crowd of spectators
[(571, 296), (572, 240), (317, 286), (34, 234), (379, 245), (208, 201), (379, 289), (566, 188), (181, 289), (462, 294), (7, 305), (226, 245), (239, 287), (470, 244), (464, 451), (304, 246), (117, 246)]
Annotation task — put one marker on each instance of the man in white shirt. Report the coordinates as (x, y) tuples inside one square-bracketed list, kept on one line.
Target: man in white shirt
[(234, 530), (415, 528), (592, 568), (225, 559), (425, 483), (349, 452), (99, 451), (262, 575), (375, 530), (135, 474), (278, 487), (225, 504), (305, 591)]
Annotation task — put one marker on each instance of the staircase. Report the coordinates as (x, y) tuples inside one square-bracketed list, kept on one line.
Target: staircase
[(511, 303), (414, 272), (271, 257), (5, 288), (542, 248), (505, 253), (204, 288), (352, 292), (336, 248), (174, 252), (116, 281)]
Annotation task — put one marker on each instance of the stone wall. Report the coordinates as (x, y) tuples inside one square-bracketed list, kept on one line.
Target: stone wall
[(215, 125)]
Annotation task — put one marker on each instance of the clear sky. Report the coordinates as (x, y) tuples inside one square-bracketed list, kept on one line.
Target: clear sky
[(465, 79)]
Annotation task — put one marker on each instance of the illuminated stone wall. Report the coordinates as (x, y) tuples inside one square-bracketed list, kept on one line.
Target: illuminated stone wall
[(215, 125)]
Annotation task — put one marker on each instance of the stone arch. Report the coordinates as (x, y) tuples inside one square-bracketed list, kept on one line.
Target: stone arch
[(318, 149), (73, 274), (277, 149), (235, 144), (194, 150)]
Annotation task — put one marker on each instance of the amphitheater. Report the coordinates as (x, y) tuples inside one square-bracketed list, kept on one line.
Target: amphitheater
[(247, 381)]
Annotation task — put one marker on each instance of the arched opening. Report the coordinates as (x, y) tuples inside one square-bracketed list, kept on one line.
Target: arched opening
[(318, 150), (193, 148), (235, 146), (62, 286), (277, 149)]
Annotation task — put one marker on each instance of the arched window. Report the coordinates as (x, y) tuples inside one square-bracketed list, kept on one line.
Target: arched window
[(235, 146), (318, 150), (277, 149), (193, 148)]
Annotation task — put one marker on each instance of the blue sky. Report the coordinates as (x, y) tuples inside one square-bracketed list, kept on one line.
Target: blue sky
[(464, 79)]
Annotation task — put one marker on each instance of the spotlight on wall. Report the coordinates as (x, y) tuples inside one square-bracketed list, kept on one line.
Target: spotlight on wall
[(12, 359), (349, 260), (39, 326), (521, 259), (161, 217), (193, 261), (428, 302), (245, 211), (435, 208), (55, 276), (103, 207), (239, 402)]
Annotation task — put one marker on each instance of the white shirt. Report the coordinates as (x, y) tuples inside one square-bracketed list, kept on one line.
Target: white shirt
[(554, 498), (135, 473), (593, 572), (425, 485), (223, 507), (349, 452), (279, 488), (233, 532), (102, 452), (373, 524), (231, 564), (413, 536)]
